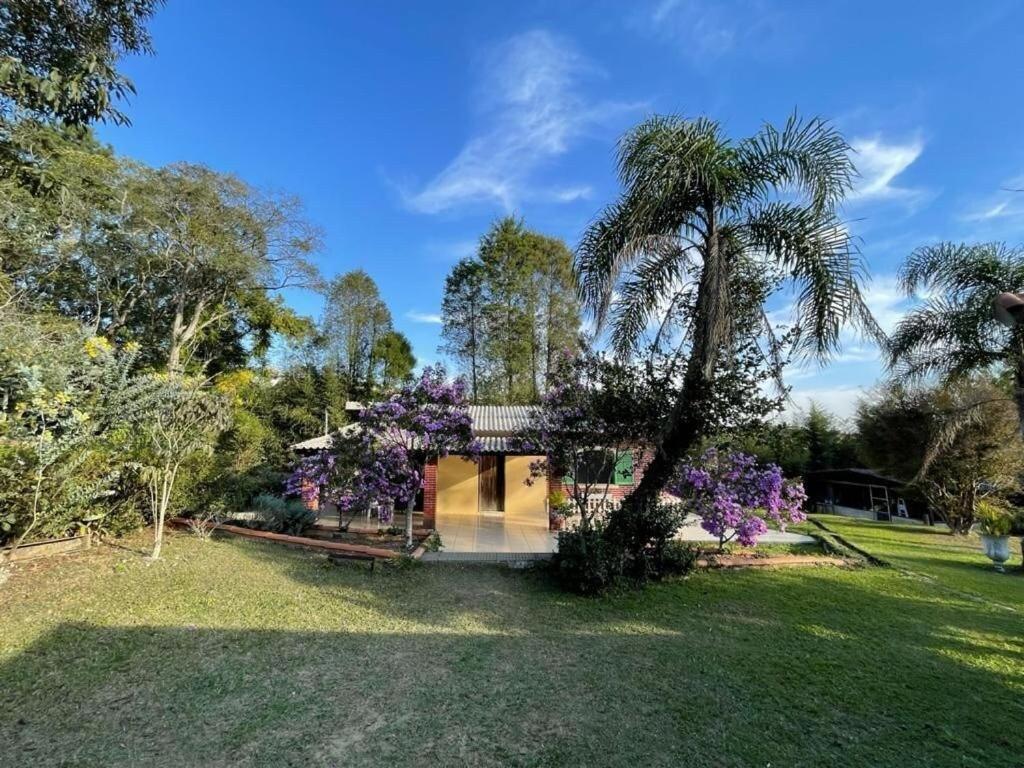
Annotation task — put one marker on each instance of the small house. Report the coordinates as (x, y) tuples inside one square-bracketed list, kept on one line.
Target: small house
[(862, 493), (494, 490)]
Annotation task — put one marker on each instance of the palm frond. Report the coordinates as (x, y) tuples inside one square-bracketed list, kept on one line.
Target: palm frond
[(657, 276), (948, 337), (816, 250), (958, 267), (810, 156), (669, 168), (667, 156)]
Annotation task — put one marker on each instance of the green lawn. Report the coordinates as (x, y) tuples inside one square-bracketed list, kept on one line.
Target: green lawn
[(242, 653), (956, 562)]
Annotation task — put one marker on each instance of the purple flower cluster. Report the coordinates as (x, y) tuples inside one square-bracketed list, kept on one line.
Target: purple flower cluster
[(730, 492), (312, 477), (425, 420)]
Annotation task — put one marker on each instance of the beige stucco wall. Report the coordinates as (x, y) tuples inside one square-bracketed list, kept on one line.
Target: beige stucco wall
[(524, 504), (457, 487)]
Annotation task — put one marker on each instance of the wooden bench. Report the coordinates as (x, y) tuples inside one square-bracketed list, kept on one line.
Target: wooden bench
[(337, 557)]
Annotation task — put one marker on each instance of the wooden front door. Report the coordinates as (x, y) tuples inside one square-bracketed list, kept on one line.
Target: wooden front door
[(492, 483)]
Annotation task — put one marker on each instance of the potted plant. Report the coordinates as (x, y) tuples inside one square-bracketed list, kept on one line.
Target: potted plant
[(558, 509), (994, 524)]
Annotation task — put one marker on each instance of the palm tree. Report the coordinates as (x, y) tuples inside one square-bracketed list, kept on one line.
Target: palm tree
[(697, 212), (954, 333)]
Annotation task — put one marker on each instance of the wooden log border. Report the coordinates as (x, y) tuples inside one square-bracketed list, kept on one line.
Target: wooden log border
[(320, 545)]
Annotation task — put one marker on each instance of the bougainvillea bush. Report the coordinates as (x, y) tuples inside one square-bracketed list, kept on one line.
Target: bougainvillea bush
[(736, 498)]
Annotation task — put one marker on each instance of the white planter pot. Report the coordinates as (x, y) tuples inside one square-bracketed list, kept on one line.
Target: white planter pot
[(996, 548)]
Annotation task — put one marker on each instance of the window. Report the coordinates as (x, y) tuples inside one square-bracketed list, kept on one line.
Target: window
[(600, 468)]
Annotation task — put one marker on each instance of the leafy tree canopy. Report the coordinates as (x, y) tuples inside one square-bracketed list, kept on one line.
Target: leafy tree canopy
[(58, 60)]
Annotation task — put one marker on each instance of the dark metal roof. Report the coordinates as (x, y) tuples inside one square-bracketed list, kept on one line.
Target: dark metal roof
[(854, 475)]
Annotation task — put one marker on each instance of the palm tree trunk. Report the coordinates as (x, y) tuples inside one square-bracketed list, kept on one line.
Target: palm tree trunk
[(688, 422), (1018, 392)]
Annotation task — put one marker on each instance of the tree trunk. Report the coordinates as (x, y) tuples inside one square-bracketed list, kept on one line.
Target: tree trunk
[(162, 497), (688, 421), (473, 353), (409, 506), (32, 520), (1018, 392)]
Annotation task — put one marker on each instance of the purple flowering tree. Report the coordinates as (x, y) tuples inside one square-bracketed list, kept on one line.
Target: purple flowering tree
[(422, 422), (383, 463), (597, 414), (737, 499)]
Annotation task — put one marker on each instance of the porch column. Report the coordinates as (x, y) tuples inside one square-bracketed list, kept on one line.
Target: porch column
[(430, 494)]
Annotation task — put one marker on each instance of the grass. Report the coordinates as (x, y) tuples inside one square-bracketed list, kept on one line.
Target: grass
[(955, 562), (242, 653)]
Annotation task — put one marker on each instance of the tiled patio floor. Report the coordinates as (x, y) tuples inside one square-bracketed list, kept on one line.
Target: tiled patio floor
[(493, 534), (495, 539), (691, 531), (492, 538)]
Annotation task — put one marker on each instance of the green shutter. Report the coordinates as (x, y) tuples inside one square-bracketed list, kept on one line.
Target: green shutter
[(624, 469)]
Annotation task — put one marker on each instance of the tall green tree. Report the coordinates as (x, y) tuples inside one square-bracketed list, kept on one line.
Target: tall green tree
[(58, 60), (697, 206), (59, 69), (506, 259), (828, 446), (355, 319), (557, 310), (953, 334), (183, 259), (394, 359), (462, 321), (510, 312)]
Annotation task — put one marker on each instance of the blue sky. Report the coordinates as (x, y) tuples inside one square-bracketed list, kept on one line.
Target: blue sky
[(406, 128)]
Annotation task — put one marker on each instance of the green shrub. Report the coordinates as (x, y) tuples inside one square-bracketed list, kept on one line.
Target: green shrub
[(278, 515), (586, 562), (642, 532), (678, 558)]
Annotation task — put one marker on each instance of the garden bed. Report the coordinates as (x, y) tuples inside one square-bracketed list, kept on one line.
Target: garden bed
[(379, 539), (758, 560), (45, 548), (377, 550)]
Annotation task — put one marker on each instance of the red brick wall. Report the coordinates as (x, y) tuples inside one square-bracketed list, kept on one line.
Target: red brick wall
[(430, 494), (614, 491)]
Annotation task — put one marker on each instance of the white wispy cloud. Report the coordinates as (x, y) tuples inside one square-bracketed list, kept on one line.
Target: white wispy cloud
[(531, 111), (570, 194), (429, 318), (703, 29), (880, 163), (1000, 207), (706, 31)]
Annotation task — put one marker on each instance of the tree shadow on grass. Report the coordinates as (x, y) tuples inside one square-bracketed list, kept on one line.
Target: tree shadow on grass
[(482, 666), (583, 694)]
